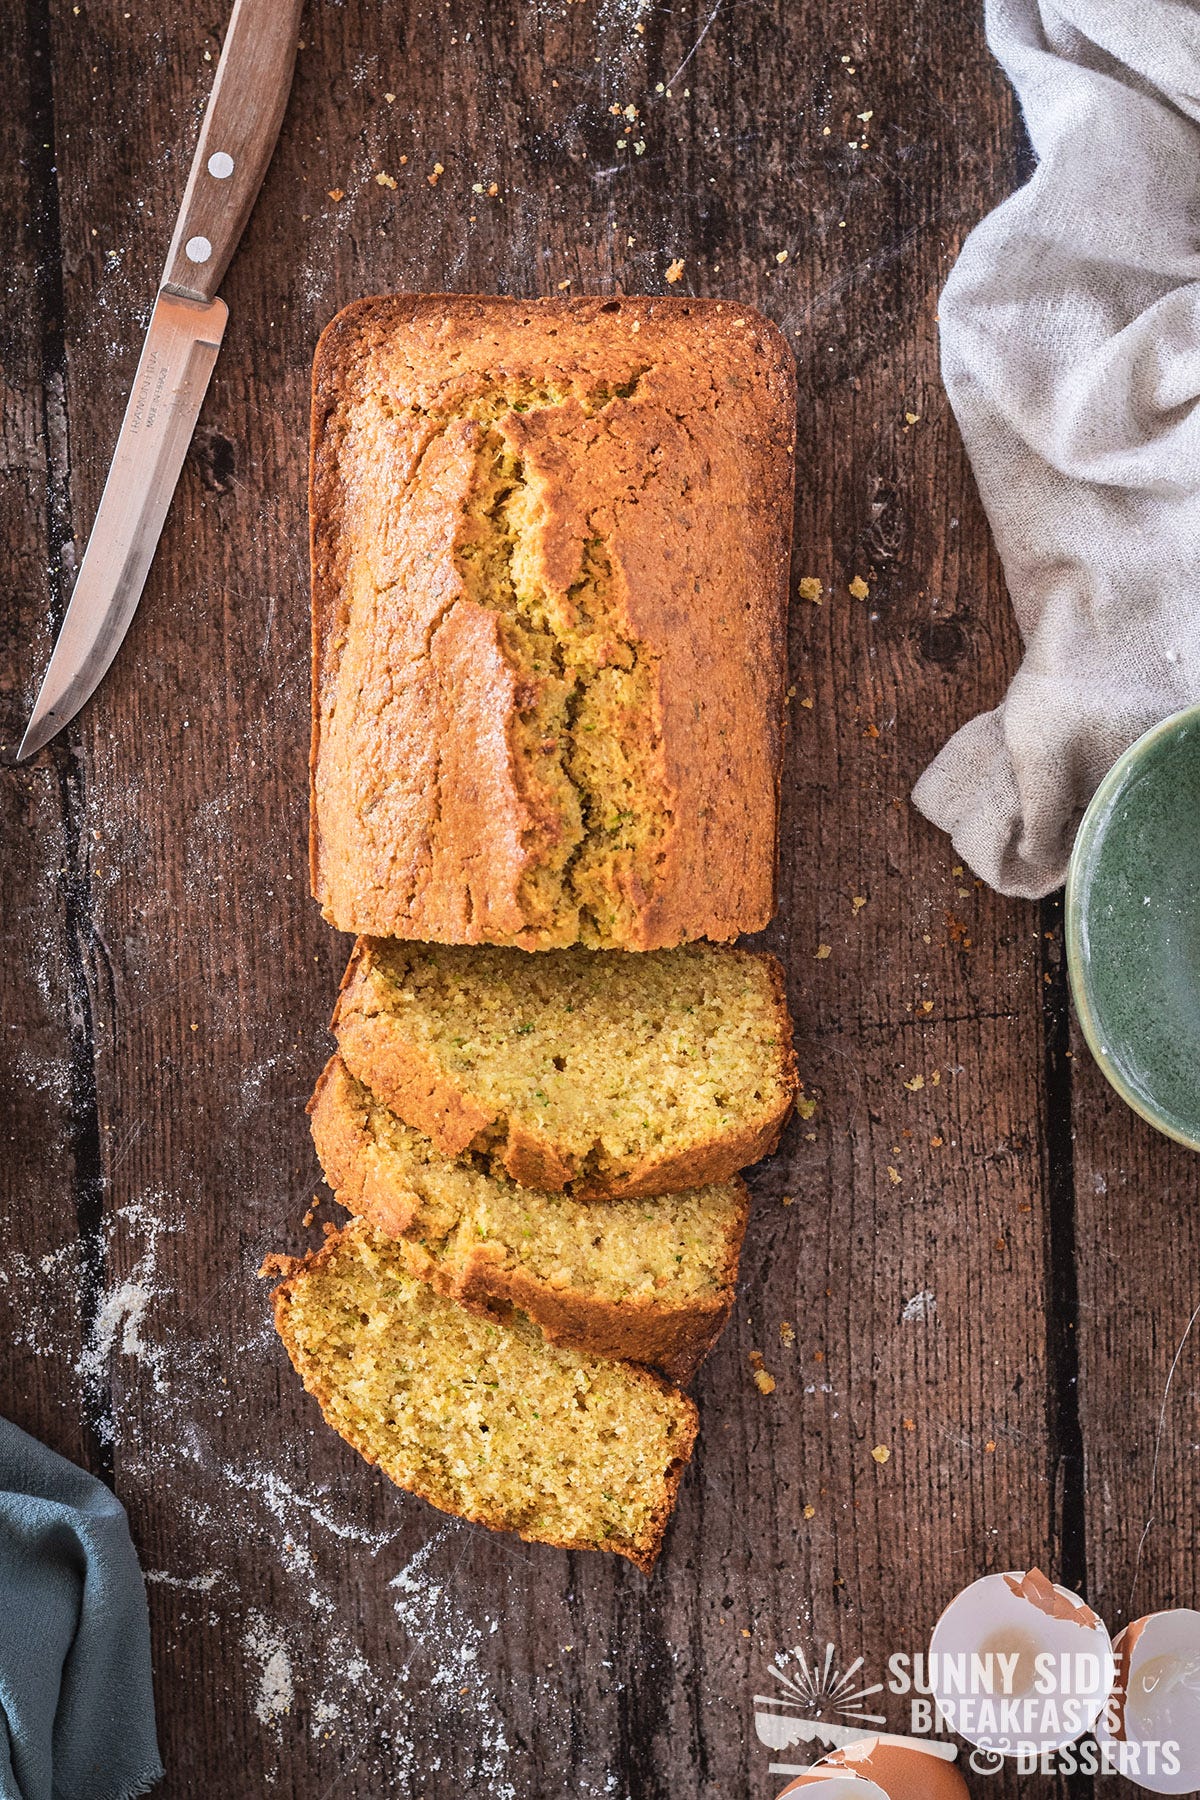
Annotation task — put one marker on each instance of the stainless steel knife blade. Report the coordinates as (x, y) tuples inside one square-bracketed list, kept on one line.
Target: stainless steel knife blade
[(237, 137), (168, 390)]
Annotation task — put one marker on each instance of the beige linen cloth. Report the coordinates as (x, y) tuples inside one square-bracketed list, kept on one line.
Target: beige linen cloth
[(1071, 353)]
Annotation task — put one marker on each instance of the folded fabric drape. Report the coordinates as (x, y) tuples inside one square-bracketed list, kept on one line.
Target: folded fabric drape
[(76, 1700), (1071, 354)]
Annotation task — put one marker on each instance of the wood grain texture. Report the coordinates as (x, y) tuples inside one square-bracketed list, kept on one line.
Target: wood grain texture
[(1137, 1234), (947, 1260), (47, 1123)]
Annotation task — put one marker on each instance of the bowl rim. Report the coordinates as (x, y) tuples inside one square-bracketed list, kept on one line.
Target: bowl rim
[(1088, 838)]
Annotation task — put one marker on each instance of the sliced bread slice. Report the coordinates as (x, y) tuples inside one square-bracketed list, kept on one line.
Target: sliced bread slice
[(644, 1280), (482, 1417), (613, 1075)]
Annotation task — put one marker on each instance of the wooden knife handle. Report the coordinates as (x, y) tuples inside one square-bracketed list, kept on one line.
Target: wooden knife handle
[(237, 137)]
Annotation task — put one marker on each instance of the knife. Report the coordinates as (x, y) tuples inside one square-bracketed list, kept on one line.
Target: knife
[(237, 137)]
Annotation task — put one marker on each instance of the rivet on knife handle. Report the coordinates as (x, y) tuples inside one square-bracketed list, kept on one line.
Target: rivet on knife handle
[(237, 137)]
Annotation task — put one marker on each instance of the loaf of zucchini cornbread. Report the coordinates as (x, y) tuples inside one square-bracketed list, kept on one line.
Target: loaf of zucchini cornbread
[(550, 548), (549, 556)]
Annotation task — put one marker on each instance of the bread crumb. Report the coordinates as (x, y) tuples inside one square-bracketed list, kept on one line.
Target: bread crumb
[(675, 269), (916, 1084), (857, 902), (936, 1143), (909, 1424), (893, 1176), (336, 194), (763, 1381), (911, 418), (810, 588), (958, 931), (787, 1333), (990, 1445), (787, 1200), (781, 256), (383, 179), (823, 951), (881, 1454), (805, 1107), (276, 1264), (390, 98), (436, 174), (926, 1006), (859, 588), (810, 1512)]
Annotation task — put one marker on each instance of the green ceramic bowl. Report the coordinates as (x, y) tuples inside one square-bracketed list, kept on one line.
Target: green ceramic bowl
[(1133, 926)]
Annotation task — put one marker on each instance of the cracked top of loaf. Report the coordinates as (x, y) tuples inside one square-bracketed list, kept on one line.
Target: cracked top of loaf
[(549, 556)]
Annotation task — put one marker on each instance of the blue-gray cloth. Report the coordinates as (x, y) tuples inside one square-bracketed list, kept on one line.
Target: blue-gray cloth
[(76, 1699)]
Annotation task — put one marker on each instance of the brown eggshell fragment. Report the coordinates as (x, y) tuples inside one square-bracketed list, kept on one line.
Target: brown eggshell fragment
[(903, 1773)]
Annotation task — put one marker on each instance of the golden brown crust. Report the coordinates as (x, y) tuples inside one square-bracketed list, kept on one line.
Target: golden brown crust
[(644, 1553), (407, 1082), (675, 1342), (640, 1329), (667, 427)]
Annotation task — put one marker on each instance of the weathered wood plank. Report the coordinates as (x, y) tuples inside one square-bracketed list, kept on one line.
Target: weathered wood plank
[(1137, 1233), (415, 1655), (43, 1074)]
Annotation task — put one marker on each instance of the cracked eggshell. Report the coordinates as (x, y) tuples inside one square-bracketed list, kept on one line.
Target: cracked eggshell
[(1155, 1702), (825, 1783), (902, 1771), (1020, 1616)]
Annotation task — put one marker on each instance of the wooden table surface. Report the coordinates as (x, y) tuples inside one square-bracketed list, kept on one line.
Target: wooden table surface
[(967, 1251)]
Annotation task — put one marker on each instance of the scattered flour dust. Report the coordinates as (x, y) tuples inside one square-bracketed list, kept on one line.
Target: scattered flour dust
[(921, 1306), (268, 1653), (297, 1664), (121, 1312), (188, 1584), (430, 1616)]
